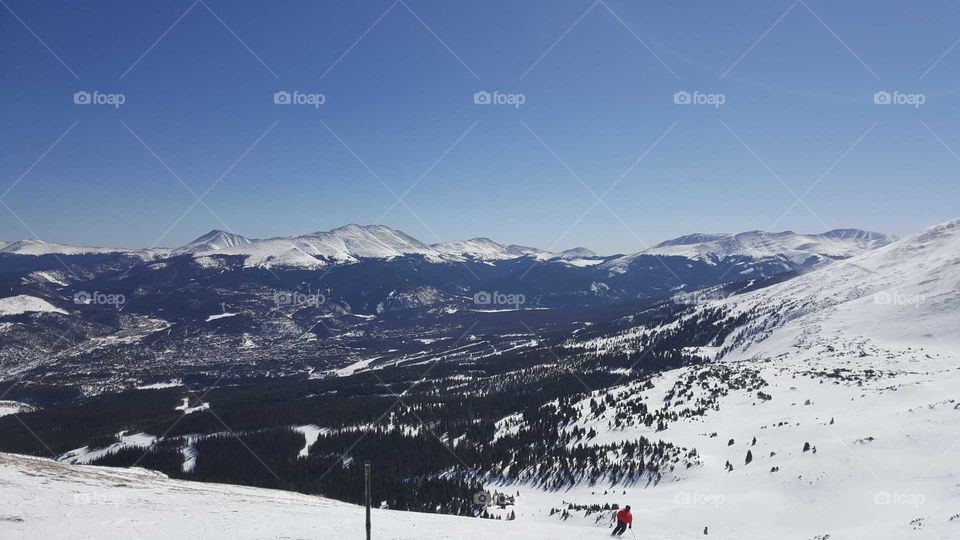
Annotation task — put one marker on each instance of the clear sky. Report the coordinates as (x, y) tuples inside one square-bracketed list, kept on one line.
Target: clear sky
[(797, 143)]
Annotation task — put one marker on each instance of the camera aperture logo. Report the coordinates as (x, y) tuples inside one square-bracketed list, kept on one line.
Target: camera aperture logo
[(299, 299), (699, 98), (884, 97), (685, 498), (482, 97), (696, 298), (106, 499), (886, 498), (97, 298), (282, 97), (896, 298), (496, 298), (82, 97), (486, 499)]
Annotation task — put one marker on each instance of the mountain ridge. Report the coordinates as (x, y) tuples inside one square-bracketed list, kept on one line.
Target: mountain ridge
[(352, 242)]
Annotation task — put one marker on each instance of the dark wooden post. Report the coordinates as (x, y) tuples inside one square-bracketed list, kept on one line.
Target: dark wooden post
[(366, 490)]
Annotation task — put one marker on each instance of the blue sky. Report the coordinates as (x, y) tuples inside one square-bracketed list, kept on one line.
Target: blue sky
[(798, 120)]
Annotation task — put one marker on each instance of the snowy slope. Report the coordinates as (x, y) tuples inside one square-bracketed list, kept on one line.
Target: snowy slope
[(14, 407), (881, 462), (860, 360), (39, 247), (880, 467), (40, 498), (215, 240), (17, 305), (903, 295), (791, 248), (576, 253), (485, 249), (839, 243)]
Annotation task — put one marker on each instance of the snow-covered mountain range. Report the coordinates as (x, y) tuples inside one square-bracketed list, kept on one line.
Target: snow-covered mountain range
[(92, 300), (351, 243), (39, 247), (838, 243), (788, 249), (903, 294)]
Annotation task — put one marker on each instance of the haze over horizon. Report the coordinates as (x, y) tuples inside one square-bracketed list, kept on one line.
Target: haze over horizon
[(587, 146)]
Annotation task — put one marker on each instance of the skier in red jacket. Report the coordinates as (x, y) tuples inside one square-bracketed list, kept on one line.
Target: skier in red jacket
[(624, 520)]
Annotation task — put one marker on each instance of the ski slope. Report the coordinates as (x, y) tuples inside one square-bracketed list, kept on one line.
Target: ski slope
[(859, 359), (40, 498), (893, 301), (882, 462), (20, 304)]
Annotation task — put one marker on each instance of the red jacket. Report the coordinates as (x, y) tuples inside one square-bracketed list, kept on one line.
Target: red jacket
[(625, 516)]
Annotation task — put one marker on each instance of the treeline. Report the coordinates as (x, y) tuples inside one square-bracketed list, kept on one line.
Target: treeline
[(407, 467)]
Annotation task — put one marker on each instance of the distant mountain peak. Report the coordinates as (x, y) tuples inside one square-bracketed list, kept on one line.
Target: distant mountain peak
[(40, 248), (695, 238), (845, 234), (215, 240), (576, 253), (352, 227), (480, 248)]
